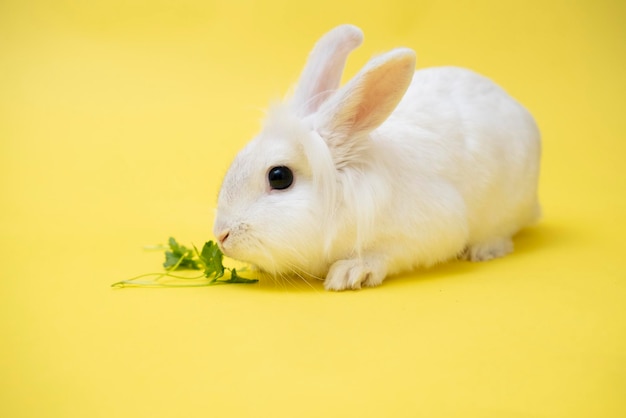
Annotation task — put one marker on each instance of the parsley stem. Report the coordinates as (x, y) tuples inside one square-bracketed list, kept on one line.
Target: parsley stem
[(155, 282), (179, 257)]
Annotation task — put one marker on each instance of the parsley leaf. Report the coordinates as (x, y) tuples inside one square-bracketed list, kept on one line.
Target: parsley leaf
[(179, 257), (235, 278), (211, 259)]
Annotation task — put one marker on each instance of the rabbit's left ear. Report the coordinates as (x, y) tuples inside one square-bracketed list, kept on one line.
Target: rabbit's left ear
[(322, 72), (365, 102)]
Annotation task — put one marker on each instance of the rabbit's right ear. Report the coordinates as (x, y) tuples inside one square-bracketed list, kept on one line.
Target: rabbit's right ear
[(322, 72), (364, 103)]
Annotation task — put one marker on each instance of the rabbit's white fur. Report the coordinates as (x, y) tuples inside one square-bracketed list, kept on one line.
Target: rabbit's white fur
[(397, 169)]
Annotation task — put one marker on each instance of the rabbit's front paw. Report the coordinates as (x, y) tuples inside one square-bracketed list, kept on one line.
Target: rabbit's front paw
[(354, 273)]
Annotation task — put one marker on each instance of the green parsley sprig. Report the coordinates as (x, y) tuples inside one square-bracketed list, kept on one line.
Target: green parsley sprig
[(178, 257)]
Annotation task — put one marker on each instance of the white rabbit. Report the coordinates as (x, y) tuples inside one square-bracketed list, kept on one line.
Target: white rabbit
[(397, 169)]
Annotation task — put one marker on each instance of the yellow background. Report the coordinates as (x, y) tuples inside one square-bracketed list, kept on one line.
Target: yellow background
[(118, 120)]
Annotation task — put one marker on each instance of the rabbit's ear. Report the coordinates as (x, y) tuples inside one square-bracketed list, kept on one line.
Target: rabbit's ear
[(322, 72), (365, 102)]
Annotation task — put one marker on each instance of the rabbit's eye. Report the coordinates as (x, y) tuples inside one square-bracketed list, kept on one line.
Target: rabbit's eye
[(280, 177)]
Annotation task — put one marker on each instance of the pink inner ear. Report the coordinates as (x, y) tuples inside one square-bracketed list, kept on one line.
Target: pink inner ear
[(368, 100), (379, 96)]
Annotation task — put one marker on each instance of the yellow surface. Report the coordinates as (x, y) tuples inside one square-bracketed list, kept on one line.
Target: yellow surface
[(117, 122)]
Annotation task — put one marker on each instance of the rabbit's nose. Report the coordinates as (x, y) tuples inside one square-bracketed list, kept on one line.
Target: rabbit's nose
[(223, 236)]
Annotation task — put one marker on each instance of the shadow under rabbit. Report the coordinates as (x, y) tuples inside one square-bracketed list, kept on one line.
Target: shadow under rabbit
[(528, 241)]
